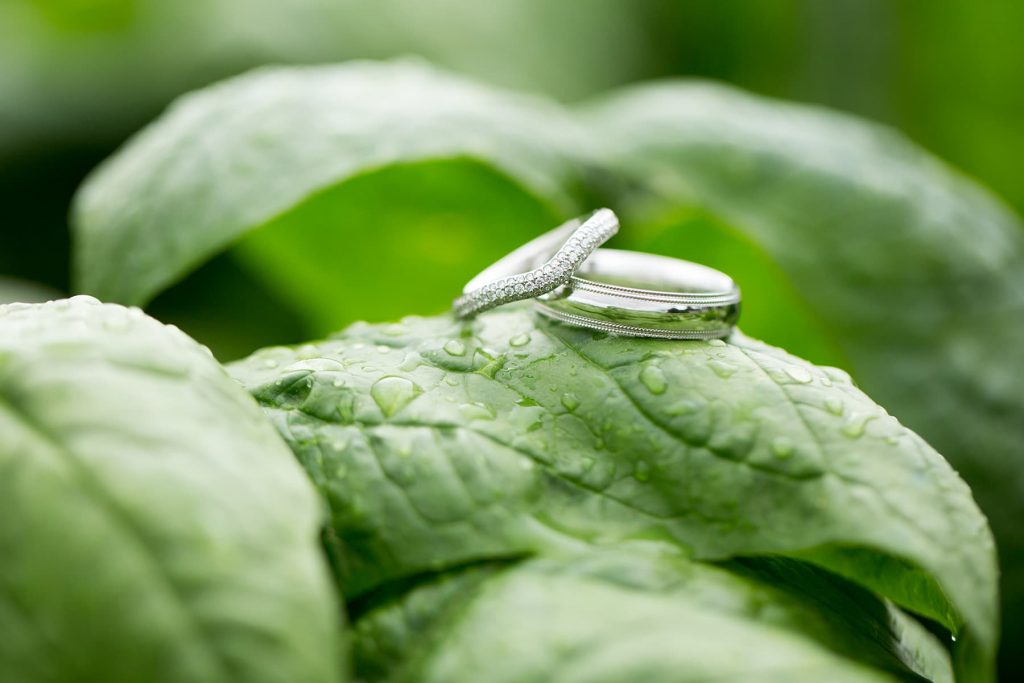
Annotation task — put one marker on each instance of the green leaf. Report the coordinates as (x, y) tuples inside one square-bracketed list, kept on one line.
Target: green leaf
[(437, 443), (853, 246), (389, 242), (609, 615), (236, 156), (152, 525), (914, 272)]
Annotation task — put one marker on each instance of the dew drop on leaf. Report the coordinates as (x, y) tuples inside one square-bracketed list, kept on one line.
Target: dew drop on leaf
[(654, 379), (570, 401), (782, 448), (854, 429), (722, 369), (476, 411), (682, 408), (799, 374), (393, 393), (454, 347), (520, 340), (410, 362), (834, 406)]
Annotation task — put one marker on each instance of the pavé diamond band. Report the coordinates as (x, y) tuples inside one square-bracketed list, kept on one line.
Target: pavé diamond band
[(623, 292), (539, 266)]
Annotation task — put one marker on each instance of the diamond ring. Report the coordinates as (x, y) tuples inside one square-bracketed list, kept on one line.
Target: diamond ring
[(524, 274)]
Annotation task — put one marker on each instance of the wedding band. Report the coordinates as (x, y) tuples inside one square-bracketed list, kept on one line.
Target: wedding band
[(645, 295), (518, 275)]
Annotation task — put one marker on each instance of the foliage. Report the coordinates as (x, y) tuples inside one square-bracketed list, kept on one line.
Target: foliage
[(152, 526), (509, 489), (438, 444), (853, 246)]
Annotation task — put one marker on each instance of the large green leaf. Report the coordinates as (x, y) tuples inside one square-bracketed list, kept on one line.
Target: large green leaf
[(438, 443), (239, 155), (915, 273), (152, 525), (853, 246), (639, 614)]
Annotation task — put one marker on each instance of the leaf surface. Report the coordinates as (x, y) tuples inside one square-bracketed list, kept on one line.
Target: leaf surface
[(152, 524), (914, 272), (639, 614), (233, 157), (438, 443)]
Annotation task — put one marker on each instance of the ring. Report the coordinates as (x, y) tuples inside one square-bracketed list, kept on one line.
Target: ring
[(646, 295), (518, 275)]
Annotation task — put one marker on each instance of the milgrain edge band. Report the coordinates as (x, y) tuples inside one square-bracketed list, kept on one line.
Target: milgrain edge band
[(514, 278)]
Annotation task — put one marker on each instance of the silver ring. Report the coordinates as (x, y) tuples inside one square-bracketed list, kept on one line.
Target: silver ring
[(646, 295), (518, 275)]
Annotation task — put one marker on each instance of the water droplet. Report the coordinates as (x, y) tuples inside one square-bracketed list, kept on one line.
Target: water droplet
[(854, 429), (642, 471), (587, 464), (716, 342), (451, 381), (476, 411), (654, 379), (570, 402), (383, 349), (338, 383), (410, 362), (837, 375), (454, 347), (834, 405), (799, 374), (891, 440), (520, 340), (393, 393), (682, 408), (306, 351), (782, 447), (825, 381), (722, 369), (270, 363)]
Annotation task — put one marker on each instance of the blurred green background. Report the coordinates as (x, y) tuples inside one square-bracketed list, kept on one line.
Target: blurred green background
[(77, 77)]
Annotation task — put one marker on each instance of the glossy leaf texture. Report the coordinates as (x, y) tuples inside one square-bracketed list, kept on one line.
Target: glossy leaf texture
[(853, 246), (152, 524), (916, 273), (239, 155), (438, 443), (640, 613)]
